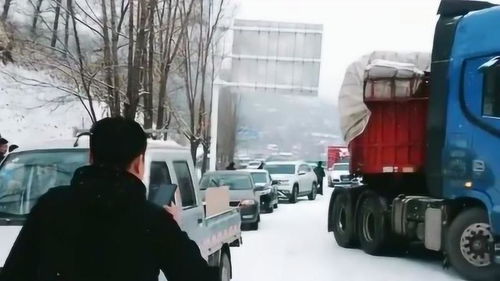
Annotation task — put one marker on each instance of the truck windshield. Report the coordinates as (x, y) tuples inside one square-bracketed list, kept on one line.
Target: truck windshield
[(280, 169), (259, 177), (341, 167), (25, 176)]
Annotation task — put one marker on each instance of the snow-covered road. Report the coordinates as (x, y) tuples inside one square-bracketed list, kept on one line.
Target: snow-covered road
[(292, 244)]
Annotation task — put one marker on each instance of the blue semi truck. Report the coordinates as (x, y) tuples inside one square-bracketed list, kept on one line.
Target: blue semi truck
[(452, 202)]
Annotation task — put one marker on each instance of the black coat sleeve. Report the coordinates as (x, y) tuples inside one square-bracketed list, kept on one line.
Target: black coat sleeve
[(181, 257), (22, 262)]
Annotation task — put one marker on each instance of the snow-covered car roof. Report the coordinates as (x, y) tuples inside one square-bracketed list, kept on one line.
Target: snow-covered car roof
[(285, 163), (83, 143), (254, 170), (228, 172)]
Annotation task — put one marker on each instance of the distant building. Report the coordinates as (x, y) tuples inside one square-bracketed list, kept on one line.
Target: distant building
[(275, 58)]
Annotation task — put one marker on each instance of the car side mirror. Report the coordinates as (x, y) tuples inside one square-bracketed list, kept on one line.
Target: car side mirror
[(274, 182)]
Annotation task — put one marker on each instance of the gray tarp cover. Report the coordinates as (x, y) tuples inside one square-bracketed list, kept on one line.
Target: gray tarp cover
[(354, 114)]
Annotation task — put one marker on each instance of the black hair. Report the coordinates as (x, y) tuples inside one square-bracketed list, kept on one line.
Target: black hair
[(115, 142), (3, 141), (13, 147)]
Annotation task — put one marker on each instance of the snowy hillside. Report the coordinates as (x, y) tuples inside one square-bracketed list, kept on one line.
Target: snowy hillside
[(31, 113)]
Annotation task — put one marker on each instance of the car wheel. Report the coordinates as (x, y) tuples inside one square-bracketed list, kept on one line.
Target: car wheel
[(276, 206), (294, 195), (225, 267), (469, 246), (270, 208), (314, 192), (254, 226)]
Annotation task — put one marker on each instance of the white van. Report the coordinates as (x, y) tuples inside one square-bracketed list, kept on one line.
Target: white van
[(29, 172)]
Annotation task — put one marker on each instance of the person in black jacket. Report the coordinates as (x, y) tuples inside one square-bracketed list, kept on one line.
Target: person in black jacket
[(231, 167), (101, 228), (4, 147), (320, 174)]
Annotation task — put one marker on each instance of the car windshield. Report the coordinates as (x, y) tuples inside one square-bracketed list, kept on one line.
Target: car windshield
[(234, 182), (259, 177), (25, 176), (341, 167), (280, 169)]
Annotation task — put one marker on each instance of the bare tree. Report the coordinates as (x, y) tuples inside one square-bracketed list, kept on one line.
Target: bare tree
[(53, 41), (6, 7), (66, 28), (149, 82), (197, 48), (174, 28), (108, 63), (36, 15), (86, 82)]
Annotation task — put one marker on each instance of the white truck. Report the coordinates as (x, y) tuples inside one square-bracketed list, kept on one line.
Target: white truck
[(29, 172)]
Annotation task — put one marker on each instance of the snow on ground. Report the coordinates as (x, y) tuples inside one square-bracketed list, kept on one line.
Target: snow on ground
[(292, 244), (31, 113)]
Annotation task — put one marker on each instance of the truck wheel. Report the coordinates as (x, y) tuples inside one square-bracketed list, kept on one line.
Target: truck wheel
[(294, 195), (225, 267), (314, 192), (343, 221), (371, 225), (469, 246)]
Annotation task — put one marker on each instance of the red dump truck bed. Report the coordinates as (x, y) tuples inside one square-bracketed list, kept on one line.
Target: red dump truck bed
[(394, 140), (334, 155)]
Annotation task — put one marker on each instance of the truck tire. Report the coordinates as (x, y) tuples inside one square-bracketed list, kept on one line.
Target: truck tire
[(373, 231), (467, 246), (314, 192), (225, 267), (294, 195), (343, 221)]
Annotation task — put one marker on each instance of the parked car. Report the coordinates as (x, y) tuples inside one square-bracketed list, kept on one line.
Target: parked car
[(253, 165), (338, 174), (267, 188), (28, 173), (242, 191), (295, 179)]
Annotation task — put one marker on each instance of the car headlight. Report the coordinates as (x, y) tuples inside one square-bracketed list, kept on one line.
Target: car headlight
[(265, 191), (248, 202), (284, 181)]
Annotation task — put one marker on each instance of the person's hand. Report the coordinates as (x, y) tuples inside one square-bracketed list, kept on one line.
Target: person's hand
[(175, 211)]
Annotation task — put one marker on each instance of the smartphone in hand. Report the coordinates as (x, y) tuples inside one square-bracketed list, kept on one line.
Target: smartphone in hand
[(162, 195)]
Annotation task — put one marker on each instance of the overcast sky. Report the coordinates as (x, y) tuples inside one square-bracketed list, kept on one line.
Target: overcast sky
[(353, 28)]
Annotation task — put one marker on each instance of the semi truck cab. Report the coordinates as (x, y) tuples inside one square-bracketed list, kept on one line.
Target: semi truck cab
[(471, 116), (429, 156)]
